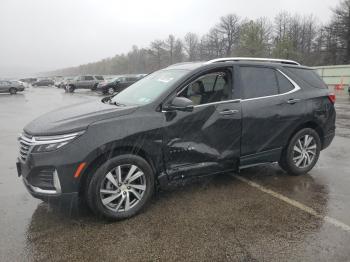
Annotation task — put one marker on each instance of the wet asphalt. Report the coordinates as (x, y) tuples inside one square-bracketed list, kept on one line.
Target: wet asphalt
[(217, 218)]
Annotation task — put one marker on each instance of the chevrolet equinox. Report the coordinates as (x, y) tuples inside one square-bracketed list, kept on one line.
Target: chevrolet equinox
[(189, 119)]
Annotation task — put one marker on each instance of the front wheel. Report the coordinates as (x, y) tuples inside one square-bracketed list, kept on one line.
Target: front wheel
[(13, 91), (121, 187), (110, 90), (302, 152)]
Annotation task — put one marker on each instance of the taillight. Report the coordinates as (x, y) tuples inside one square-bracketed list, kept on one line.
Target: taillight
[(331, 97)]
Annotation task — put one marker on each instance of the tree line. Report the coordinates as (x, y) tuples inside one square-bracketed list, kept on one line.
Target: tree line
[(287, 36)]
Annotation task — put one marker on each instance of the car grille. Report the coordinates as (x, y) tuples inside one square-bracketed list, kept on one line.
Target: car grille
[(25, 145)]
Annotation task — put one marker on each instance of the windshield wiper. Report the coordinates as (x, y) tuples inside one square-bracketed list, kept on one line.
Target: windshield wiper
[(115, 103)]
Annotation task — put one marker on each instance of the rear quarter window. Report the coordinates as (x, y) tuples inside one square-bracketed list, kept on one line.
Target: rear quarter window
[(308, 76), (283, 83)]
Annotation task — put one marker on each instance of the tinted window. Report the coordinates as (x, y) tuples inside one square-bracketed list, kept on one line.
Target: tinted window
[(284, 84), (88, 78), (258, 81), (209, 88), (131, 79), (308, 76), (99, 77)]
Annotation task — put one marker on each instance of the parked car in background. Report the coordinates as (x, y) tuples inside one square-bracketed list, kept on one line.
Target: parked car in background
[(117, 84), (57, 80), (44, 82), (63, 82), (180, 122), (83, 82), (28, 80), (11, 87)]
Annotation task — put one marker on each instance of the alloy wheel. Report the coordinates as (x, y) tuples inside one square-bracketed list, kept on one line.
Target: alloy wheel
[(110, 91), (304, 151), (122, 188)]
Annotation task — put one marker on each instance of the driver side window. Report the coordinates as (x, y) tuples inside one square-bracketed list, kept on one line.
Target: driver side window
[(209, 88)]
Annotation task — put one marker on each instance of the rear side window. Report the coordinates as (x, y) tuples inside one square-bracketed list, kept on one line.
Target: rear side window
[(284, 84), (308, 76), (258, 82), (88, 78), (99, 77)]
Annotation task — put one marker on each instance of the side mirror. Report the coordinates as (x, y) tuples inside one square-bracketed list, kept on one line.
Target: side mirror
[(181, 104)]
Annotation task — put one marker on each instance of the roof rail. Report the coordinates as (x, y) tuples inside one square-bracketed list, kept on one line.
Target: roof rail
[(225, 59)]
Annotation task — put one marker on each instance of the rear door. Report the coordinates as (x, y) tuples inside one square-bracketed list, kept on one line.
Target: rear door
[(271, 107), (206, 140), (80, 83), (3, 86), (89, 82)]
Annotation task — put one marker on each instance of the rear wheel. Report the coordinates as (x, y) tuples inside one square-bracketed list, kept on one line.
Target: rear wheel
[(302, 152), (121, 187), (94, 87), (13, 91), (70, 89)]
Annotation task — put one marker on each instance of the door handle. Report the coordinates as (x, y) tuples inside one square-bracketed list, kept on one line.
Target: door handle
[(229, 112), (292, 101)]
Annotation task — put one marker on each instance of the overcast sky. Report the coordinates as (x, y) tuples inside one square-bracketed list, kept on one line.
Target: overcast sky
[(40, 35)]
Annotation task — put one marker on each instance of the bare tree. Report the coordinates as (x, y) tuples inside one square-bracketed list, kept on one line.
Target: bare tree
[(229, 28), (157, 51), (191, 45), (170, 44), (340, 26), (178, 51)]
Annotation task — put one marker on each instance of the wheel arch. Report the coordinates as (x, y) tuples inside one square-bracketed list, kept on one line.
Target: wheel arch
[(102, 157), (309, 124)]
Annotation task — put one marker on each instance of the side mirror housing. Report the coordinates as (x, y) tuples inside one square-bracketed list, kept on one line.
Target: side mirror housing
[(180, 104)]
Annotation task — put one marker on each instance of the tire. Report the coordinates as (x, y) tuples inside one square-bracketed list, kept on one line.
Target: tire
[(70, 89), (94, 87), (110, 91), (114, 206), (302, 152), (13, 91)]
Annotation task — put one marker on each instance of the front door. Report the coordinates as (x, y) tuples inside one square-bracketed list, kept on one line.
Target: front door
[(206, 140)]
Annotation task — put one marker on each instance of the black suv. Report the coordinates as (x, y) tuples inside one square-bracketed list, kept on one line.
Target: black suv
[(117, 84), (186, 120)]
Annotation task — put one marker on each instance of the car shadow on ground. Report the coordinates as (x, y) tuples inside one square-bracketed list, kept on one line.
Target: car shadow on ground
[(302, 187), (210, 218)]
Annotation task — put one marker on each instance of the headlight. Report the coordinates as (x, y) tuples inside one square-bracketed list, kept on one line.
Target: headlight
[(51, 143)]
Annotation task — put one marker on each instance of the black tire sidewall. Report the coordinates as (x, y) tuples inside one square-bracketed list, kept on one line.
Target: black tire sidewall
[(13, 91), (110, 88), (288, 162), (93, 190)]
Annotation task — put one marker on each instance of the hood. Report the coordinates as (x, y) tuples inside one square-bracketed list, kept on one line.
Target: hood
[(75, 118)]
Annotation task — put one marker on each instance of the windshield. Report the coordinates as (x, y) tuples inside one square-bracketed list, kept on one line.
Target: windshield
[(114, 79), (148, 88)]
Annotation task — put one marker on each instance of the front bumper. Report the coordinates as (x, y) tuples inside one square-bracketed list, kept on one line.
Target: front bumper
[(46, 178)]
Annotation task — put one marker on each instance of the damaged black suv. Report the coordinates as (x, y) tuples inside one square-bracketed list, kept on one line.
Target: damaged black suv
[(189, 119)]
